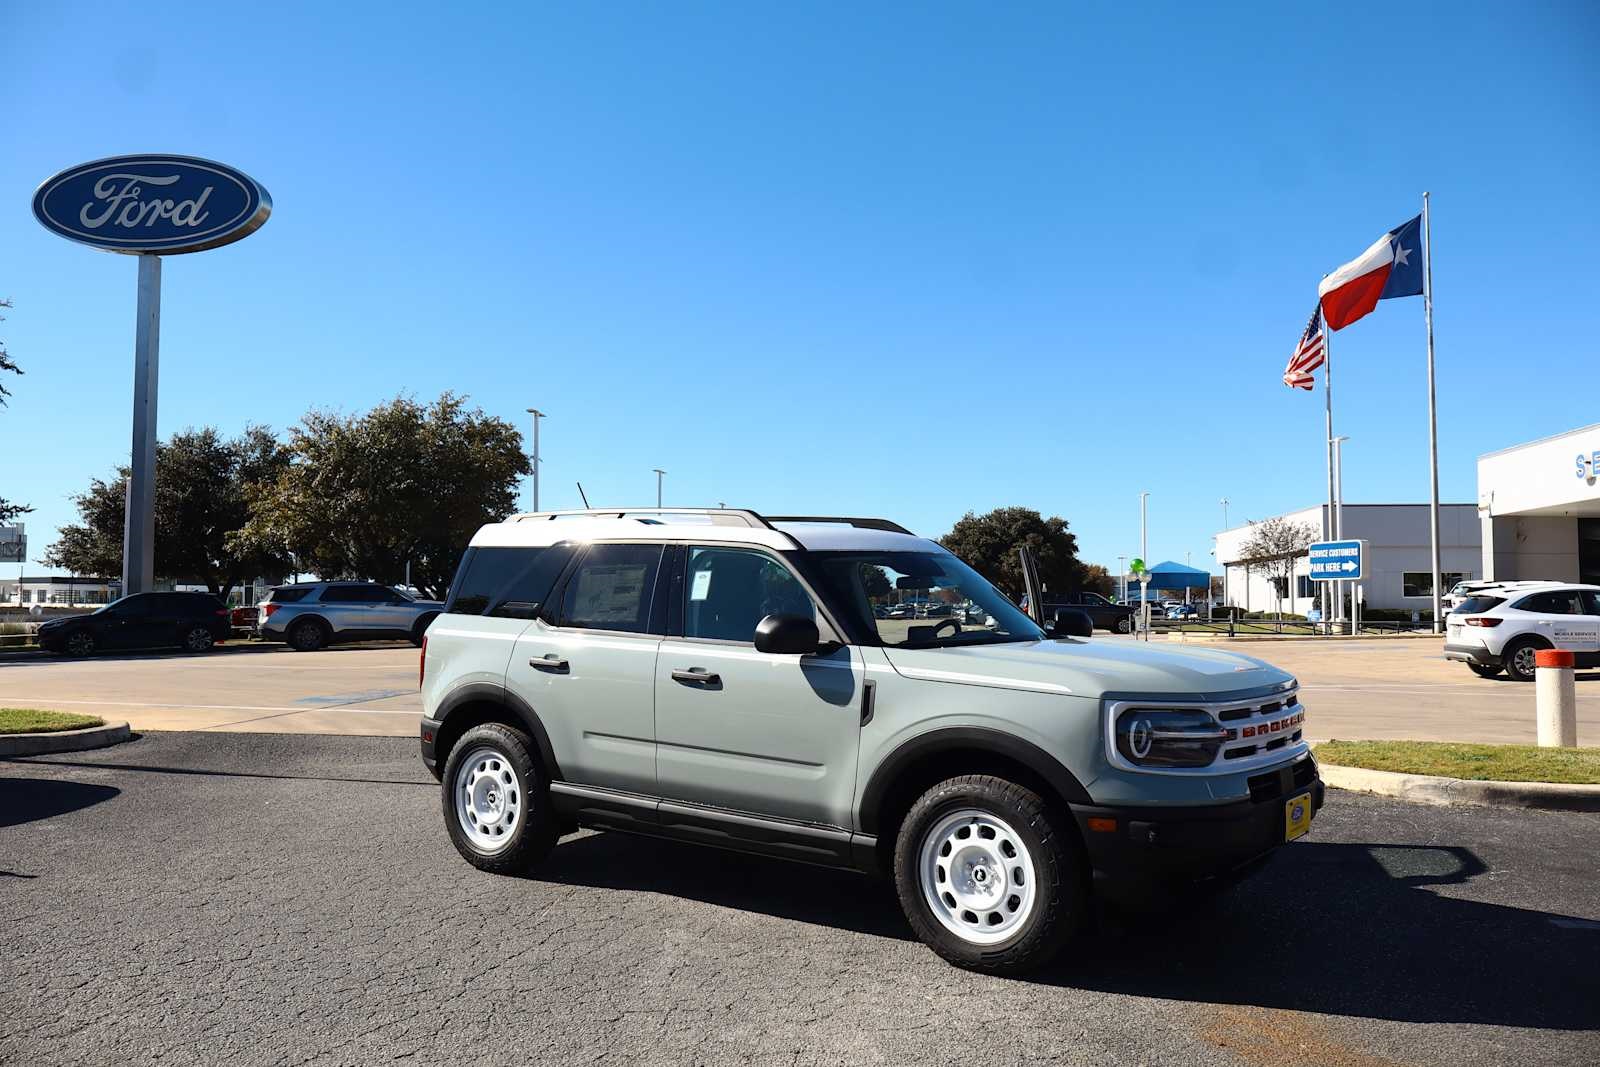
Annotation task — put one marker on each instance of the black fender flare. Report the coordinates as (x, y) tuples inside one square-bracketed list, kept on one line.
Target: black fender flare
[(1030, 755), (489, 693)]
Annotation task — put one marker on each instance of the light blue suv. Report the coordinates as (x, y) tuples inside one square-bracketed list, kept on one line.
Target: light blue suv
[(734, 680)]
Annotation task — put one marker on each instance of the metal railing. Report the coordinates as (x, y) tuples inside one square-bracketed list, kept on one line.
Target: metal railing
[(1234, 626)]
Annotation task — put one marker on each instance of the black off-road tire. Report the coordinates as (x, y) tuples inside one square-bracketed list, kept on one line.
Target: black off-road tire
[(537, 827), (308, 635), (1061, 901)]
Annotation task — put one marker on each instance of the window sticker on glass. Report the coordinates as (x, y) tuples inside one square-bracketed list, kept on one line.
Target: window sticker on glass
[(610, 594), (701, 588)]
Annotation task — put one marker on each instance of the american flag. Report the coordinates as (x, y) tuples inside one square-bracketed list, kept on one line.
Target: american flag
[(1308, 354)]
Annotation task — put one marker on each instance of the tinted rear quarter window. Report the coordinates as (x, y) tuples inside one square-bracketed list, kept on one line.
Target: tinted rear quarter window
[(288, 594), (1475, 604), (506, 582)]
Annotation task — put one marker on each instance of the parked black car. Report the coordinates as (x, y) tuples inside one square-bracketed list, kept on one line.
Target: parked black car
[(191, 621), (1105, 614)]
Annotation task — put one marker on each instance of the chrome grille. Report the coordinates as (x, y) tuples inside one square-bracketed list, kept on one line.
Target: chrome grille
[(1262, 730)]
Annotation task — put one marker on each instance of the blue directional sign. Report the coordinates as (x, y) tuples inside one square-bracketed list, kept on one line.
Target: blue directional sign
[(1338, 561), (152, 204)]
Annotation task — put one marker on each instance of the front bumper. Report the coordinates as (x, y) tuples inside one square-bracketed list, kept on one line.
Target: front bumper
[(1473, 654), (1139, 847)]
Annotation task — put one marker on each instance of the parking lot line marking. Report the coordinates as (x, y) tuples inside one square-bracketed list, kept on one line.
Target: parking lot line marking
[(213, 707)]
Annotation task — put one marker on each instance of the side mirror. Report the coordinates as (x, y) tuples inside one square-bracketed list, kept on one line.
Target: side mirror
[(1072, 622), (787, 635)]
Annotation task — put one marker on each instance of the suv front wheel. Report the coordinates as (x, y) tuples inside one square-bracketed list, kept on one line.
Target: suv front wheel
[(497, 801), (988, 876)]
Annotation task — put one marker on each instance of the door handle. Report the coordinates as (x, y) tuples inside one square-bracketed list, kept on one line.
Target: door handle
[(696, 676), (552, 662)]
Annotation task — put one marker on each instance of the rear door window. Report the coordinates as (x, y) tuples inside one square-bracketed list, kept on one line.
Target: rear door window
[(355, 594), (510, 583), (1555, 602), (613, 588)]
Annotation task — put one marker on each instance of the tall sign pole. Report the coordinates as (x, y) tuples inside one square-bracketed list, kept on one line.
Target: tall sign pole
[(149, 206), (1433, 418), (139, 545)]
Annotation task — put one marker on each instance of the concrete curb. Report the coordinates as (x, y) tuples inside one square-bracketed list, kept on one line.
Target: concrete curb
[(112, 733), (1427, 789)]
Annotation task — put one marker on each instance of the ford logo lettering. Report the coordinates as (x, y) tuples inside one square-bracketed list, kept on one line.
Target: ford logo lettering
[(160, 204)]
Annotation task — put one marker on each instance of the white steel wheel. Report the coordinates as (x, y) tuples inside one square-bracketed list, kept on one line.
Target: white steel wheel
[(977, 876), (489, 798)]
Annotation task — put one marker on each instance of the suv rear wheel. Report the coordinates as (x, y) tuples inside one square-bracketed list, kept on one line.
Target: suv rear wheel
[(1519, 658), (308, 635), (497, 801), (988, 876), (1125, 625), (198, 639)]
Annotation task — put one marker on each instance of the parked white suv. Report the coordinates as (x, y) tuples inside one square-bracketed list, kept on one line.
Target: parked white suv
[(1500, 628), (841, 692)]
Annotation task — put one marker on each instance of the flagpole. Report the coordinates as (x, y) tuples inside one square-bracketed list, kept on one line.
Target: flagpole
[(1433, 417), (1328, 588)]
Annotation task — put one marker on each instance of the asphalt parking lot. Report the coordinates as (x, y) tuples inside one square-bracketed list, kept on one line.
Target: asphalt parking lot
[(1379, 688), (274, 899)]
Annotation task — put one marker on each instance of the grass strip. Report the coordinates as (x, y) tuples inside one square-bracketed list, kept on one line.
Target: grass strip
[(34, 721), (1478, 763)]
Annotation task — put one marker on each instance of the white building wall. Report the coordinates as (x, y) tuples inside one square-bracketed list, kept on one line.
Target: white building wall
[(1398, 540), (1529, 501)]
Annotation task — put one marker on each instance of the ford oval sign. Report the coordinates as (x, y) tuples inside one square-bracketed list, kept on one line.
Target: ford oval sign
[(159, 204)]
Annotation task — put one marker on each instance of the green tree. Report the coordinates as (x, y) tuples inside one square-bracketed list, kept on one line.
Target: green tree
[(363, 495), (8, 510), (6, 362), (989, 543), (204, 483), (1096, 579), (1272, 548)]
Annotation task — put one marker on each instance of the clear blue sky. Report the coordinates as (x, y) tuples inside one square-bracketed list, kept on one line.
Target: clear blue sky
[(905, 261)]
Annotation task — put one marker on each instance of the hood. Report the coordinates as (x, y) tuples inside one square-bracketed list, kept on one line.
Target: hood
[(61, 620), (1090, 668)]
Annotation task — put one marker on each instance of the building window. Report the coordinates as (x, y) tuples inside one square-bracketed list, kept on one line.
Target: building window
[(1304, 586), (1420, 583)]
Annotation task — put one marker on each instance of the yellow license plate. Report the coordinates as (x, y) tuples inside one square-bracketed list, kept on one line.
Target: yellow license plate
[(1296, 816)]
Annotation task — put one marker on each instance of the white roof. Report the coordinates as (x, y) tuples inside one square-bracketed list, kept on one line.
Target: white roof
[(700, 526)]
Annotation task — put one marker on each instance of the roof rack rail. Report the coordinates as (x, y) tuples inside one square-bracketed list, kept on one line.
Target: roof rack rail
[(718, 516), (886, 525)]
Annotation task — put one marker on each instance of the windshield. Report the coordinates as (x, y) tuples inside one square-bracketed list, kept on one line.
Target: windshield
[(920, 599)]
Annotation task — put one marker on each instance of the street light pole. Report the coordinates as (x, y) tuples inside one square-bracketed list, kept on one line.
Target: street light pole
[(659, 475), (537, 415), (1338, 510), (1220, 562), (1144, 554)]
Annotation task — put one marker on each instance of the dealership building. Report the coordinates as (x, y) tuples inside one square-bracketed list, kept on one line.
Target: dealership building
[(1539, 506), (1399, 558)]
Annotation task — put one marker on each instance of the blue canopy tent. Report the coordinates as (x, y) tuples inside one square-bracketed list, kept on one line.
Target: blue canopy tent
[(1169, 576)]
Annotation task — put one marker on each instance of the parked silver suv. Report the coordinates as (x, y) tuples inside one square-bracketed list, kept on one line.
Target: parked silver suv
[(313, 615), (733, 680)]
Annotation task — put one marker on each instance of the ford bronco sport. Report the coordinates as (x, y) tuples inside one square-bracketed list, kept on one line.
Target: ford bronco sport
[(720, 677)]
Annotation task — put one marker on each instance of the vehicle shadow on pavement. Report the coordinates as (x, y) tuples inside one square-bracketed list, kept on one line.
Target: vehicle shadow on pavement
[(1354, 930), (780, 888), (24, 800)]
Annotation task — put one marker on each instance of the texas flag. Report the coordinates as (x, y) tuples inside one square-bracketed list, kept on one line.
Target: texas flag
[(1391, 267)]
